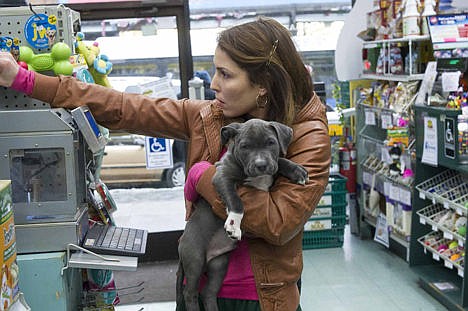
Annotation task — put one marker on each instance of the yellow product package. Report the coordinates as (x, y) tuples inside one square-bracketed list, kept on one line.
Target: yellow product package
[(9, 268)]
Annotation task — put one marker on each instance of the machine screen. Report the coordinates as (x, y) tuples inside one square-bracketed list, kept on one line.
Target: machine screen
[(89, 128), (93, 123)]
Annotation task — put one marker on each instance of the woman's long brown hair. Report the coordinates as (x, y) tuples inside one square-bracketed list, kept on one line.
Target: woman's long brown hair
[(264, 49)]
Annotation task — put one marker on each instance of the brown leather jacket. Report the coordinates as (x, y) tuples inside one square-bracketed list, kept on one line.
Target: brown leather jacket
[(273, 219)]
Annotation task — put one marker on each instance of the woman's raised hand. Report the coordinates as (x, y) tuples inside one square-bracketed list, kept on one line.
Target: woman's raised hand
[(8, 69)]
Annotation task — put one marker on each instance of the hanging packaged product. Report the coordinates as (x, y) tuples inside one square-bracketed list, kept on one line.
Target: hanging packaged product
[(9, 276), (411, 19)]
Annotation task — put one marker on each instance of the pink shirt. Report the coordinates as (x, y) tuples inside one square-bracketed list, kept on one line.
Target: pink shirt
[(24, 81), (239, 282)]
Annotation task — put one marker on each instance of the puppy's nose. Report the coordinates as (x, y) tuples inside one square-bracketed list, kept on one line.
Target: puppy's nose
[(261, 165)]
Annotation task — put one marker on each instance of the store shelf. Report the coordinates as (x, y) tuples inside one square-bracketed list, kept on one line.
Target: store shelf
[(438, 247), (371, 44), (398, 238), (440, 195), (449, 188), (391, 77), (445, 287), (431, 215)]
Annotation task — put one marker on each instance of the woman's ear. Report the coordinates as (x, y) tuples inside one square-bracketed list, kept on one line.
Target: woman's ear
[(262, 91)]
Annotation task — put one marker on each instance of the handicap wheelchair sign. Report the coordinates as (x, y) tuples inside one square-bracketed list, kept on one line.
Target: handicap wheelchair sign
[(158, 153)]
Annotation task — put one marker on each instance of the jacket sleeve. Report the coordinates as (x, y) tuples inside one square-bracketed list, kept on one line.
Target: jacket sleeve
[(280, 214), (139, 114)]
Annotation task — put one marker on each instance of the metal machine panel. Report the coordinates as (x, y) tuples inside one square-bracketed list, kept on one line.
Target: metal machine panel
[(51, 237), (44, 286), (41, 120), (42, 170)]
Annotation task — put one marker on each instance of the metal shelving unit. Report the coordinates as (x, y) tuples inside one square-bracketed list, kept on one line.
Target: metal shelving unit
[(371, 138), (440, 197)]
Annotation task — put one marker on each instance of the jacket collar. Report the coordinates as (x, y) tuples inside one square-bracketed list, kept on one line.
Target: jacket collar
[(213, 119), (313, 110)]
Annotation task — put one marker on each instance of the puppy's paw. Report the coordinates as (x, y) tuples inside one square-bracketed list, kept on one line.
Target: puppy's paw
[(232, 225), (299, 175)]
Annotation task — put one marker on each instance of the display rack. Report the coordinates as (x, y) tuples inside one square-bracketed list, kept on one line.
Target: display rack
[(437, 246), (371, 139)]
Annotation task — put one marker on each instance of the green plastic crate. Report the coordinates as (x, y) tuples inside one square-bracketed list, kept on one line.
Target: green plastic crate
[(329, 237), (336, 182), (323, 238), (330, 210)]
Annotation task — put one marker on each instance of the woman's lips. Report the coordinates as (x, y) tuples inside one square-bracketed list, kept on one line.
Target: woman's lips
[(219, 103)]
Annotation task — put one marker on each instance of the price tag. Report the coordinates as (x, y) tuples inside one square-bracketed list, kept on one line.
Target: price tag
[(387, 188), (435, 256), (405, 196), (446, 204), (434, 201), (367, 178), (435, 228), (422, 220), (386, 119), (369, 117), (448, 264), (460, 272), (461, 243), (459, 211), (448, 235), (394, 193), (422, 196)]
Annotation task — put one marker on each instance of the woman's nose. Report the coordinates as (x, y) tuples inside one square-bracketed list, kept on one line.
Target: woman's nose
[(213, 84)]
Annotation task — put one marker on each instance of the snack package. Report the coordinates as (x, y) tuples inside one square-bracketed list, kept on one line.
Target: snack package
[(10, 271)]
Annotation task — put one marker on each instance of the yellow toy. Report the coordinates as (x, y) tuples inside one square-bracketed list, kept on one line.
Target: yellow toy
[(98, 65)]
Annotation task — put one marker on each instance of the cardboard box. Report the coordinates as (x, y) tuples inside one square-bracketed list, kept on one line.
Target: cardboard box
[(9, 268)]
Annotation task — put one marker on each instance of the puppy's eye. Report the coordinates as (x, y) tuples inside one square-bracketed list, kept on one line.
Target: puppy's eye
[(244, 146), (271, 142)]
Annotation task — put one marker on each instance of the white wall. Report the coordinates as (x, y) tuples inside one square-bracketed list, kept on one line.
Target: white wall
[(348, 59)]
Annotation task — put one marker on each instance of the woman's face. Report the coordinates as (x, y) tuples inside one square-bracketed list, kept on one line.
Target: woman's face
[(235, 94)]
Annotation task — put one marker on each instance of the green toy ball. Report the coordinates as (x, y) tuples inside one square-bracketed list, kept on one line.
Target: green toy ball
[(60, 51), (462, 230), (26, 54)]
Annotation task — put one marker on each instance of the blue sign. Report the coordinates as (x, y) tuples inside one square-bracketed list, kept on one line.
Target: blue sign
[(40, 31), (158, 152), (157, 145)]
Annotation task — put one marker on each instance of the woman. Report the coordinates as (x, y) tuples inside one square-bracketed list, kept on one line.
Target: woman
[(259, 74)]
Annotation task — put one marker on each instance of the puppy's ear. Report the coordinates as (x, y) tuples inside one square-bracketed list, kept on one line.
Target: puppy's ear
[(229, 131), (284, 134)]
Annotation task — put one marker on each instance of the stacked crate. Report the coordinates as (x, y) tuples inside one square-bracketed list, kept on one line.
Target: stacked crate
[(325, 227)]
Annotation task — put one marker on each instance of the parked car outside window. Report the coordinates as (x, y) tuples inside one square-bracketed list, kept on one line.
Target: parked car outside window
[(124, 164)]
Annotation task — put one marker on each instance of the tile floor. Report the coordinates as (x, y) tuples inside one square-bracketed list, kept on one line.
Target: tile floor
[(362, 275)]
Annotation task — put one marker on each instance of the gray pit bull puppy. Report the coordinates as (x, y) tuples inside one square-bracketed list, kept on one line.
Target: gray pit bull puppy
[(254, 157)]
